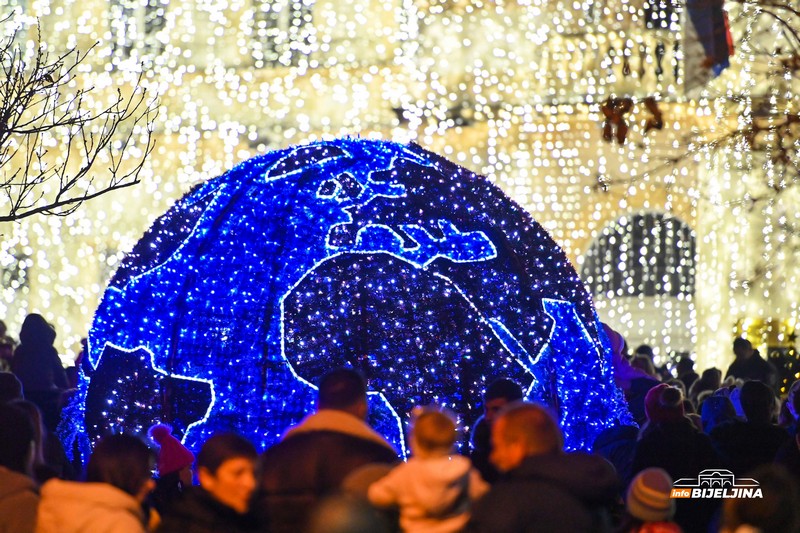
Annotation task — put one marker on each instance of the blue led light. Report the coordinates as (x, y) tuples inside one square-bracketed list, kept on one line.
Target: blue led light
[(370, 254)]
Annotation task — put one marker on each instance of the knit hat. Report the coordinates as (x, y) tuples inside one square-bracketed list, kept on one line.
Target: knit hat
[(663, 404), (649, 496), (172, 456)]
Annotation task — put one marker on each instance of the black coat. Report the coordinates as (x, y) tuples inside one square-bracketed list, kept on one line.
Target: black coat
[(36, 361), (754, 368), (683, 451), (482, 449), (745, 445), (298, 471), (553, 493), (198, 512)]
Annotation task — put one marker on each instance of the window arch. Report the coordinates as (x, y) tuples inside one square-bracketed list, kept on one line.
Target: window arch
[(641, 272), (645, 254)]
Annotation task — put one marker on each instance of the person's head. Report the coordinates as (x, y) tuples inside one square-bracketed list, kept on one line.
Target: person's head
[(716, 410), (645, 364), (433, 432), (123, 461), (17, 435), (6, 349), (648, 498), (777, 511), (3, 329), (685, 365), (343, 389), (522, 430), (172, 455), (742, 348), (678, 384), (710, 379), (10, 387), (664, 404), (619, 348), (646, 350), (758, 401), (226, 470), (36, 330), (499, 393), (35, 415)]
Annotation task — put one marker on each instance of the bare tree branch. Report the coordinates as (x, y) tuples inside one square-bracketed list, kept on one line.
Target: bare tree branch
[(59, 145)]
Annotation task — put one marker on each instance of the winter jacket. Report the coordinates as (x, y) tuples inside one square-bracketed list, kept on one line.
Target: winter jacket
[(434, 495), (683, 451), (18, 502), (70, 507), (743, 446), (755, 368), (616, 445), (557, 492), (310, 462), (198, 512), (36, 361), (481, 449)]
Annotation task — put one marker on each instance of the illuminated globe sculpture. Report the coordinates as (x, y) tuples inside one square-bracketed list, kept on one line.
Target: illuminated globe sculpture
[(374, 255)]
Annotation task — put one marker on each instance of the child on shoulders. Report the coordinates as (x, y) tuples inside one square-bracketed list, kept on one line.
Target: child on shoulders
[(435, 489)]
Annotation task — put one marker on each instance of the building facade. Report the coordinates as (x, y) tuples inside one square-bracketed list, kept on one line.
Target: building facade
[(610, 122)]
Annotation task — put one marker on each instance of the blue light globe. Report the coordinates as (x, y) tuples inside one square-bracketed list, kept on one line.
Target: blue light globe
[(374, 255)]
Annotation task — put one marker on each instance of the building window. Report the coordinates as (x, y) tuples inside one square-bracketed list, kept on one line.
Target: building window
[(282, 30), (137, 27), (14, 271), (647, 254), (641, 272)]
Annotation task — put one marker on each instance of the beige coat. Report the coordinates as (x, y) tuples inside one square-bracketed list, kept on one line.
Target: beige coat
[(434, 494), (70, 507), (18, 502)]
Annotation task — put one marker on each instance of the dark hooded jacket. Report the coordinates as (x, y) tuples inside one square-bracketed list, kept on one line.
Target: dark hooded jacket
[(36, 361), (683, 451), (743, 446), (554, 492)]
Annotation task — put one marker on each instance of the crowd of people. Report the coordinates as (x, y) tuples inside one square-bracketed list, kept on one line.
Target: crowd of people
[(333, 473)]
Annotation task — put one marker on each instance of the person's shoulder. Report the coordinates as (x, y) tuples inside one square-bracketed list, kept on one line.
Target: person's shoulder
[(328, 442), (725, 428), (775, 432), (510, 492), (524, 504), (760, 360), (193, 511)]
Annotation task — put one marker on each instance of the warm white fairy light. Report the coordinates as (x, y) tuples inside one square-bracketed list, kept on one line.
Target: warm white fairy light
[(511, 89)]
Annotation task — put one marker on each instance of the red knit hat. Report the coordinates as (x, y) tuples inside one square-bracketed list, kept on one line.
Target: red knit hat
[(173, 455), (663, 404)]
